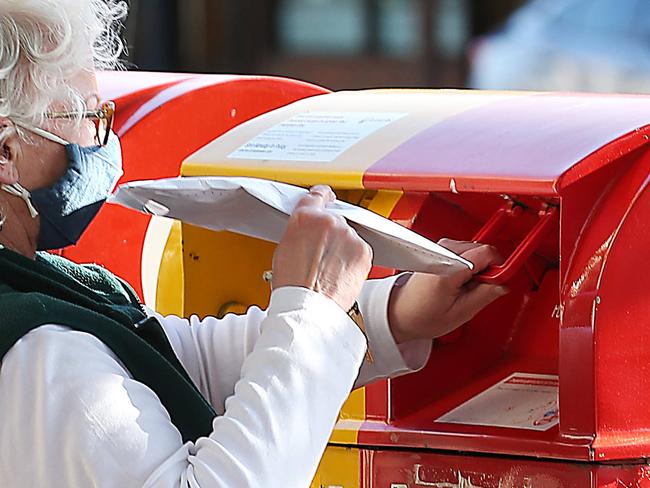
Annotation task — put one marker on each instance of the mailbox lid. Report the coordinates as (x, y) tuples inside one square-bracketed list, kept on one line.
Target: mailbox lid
[(434, 140)]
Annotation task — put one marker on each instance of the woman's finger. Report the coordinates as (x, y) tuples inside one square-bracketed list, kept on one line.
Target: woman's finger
[(318, 197), (458, 247), (482, 256)]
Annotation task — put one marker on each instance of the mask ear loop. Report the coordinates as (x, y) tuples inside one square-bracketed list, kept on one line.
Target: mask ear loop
[(42, 132), (21, 192), (18, 190)]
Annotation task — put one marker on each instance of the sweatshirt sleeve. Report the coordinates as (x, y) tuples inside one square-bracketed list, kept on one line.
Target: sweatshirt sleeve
[(391, 359), (213, 350), (276, 424)]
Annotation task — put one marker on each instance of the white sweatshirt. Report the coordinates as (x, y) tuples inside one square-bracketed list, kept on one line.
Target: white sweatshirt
[(72, 416)]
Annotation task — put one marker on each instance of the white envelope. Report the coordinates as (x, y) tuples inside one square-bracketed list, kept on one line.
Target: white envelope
[(261, 208)]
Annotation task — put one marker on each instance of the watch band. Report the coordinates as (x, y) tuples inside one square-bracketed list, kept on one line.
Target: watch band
[(355, 314)]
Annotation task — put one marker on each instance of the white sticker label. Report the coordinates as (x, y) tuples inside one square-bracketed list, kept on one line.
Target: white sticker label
[(520, 401), (314, 136)]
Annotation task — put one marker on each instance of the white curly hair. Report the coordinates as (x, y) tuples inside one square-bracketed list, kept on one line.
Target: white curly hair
[(45, 43)]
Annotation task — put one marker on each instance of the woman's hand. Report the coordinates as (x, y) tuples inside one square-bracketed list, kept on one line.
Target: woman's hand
[(320, 251), (429, 306)]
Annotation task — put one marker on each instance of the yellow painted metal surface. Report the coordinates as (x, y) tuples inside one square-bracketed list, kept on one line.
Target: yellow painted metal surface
[(352, 413), (384, 202), (339, 467), (294, 176), (223, 269), (169, 291)]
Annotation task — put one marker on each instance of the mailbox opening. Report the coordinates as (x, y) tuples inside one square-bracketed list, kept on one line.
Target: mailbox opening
[(520, 331)]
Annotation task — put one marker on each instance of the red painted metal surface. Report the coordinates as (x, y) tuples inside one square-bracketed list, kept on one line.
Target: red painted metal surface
[(606, 297), (388, 469), (501, 274), (162, 119), (535, 145)]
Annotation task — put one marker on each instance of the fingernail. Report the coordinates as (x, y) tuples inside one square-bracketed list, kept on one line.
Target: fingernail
[(502, 290)]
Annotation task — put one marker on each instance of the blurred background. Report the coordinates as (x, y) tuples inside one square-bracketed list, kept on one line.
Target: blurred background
[(581, 45)]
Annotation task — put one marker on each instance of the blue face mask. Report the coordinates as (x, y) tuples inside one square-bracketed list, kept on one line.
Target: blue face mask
[(67, 207)]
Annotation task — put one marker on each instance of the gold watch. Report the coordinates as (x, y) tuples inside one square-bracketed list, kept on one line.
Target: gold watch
[(355, 314)]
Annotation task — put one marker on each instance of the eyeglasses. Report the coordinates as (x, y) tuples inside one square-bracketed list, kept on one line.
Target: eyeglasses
[(102, 117)]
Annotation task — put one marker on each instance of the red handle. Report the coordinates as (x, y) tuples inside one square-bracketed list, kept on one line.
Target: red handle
[(497, 275)]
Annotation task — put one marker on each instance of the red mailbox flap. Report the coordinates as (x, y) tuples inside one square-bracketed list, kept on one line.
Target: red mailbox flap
[(533, 144), (435, 140)]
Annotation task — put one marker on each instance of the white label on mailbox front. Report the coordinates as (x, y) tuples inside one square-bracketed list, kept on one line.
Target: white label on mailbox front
[(520, 401), (314, 136)]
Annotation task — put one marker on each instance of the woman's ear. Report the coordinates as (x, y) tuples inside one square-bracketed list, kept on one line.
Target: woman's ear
[(8, 150)]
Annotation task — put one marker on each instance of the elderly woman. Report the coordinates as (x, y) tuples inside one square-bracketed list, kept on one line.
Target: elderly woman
[(97, 391)]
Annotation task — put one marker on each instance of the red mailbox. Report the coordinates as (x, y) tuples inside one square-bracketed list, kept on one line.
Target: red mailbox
[(550, 385), (558, 184)]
